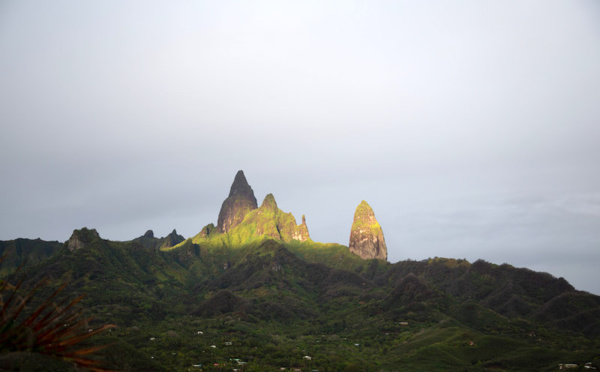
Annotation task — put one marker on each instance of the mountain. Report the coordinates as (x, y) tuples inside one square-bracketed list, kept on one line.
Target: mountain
[(150, 242), (276, 305), (25, 252), (241, 222), (172, 239), (270, 221), (366, 236), (241, 200), (263, 296)]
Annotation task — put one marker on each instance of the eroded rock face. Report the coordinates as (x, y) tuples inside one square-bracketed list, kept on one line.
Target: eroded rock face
[(366, 236), (241, 200), (80, 238), (301, 231)]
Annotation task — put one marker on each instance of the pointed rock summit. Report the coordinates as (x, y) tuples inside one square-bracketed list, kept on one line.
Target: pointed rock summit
[(269, 203), (241, 200), (172, 239), (366, 237)]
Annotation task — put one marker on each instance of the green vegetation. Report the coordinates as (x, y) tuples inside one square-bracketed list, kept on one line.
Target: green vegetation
[(365, 218), (25, 252), (256, 294), (268, 221), (255, 303)]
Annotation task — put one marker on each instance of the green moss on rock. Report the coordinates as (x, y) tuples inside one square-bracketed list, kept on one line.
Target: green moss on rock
[(366, 236)]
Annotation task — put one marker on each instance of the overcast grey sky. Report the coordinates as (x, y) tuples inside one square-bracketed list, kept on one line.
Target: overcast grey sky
[(471, 127)]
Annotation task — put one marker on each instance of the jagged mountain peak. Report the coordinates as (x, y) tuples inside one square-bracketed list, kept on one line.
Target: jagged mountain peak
[(241, 200), (241, 187), (241, 218), (271, 221), (269, 203), (172, 240)]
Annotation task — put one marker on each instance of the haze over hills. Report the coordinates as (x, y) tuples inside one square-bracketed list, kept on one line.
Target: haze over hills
[(256, 293)]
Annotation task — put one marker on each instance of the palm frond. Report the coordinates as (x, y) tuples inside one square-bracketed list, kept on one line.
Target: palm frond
[(53, 328)]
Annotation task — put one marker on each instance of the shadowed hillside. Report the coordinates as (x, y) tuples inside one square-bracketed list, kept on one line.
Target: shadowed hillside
[(278, 302)]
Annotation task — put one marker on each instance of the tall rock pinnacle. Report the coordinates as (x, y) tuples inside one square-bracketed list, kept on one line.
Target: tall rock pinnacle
[(366, 237), (241, 200)]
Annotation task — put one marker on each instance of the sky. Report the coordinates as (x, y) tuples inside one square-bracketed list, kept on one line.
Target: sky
[(471, 127)]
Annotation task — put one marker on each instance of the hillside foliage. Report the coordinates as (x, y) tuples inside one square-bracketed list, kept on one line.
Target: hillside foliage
[(235, 301)]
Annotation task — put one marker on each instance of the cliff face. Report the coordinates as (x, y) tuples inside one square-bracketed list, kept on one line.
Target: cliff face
[(301, 232), (241, 200), (366, 236), (80, 238)]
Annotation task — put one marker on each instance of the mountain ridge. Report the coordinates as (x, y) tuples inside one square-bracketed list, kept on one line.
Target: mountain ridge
[(315, 289), (265, 293)]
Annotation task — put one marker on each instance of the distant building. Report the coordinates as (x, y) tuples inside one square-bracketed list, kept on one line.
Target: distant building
[(567, 366)]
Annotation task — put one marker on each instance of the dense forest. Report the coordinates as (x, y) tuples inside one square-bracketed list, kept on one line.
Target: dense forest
[(268, 305)]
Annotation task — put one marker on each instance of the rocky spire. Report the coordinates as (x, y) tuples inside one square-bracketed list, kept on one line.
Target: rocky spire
[(241, 200), (301, 232), (366, 236), (241, 187), (269, 203)]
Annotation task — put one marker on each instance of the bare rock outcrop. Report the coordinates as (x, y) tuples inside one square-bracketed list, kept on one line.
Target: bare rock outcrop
[(241, 200), (301, 231), (80, 238), (366, 236)]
